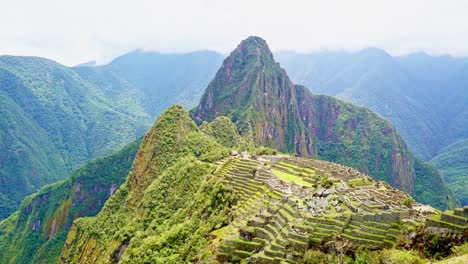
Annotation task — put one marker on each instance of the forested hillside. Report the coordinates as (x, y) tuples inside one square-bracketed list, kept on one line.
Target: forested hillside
[(56, 118), (36, 232)]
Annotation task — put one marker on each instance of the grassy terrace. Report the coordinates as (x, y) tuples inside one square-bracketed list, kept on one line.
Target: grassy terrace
[(294, 168), (287, 177)]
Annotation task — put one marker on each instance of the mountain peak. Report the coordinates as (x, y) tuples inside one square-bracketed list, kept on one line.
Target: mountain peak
[(254, 42), (248, 75), (252, 50), (375, 53)]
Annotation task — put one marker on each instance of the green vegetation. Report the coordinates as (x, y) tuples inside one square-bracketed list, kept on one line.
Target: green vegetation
[(263, 151), (287, 177), (54, 118), (53, 121), (408, 202), (223, 131), (167, 207), (430, 186), (394, 256), (36, 232), (452, 162)]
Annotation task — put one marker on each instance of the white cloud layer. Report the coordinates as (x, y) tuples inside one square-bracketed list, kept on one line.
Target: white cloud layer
[(72, 32)]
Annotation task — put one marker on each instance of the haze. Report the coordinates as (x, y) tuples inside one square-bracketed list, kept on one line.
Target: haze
[(73, 32)]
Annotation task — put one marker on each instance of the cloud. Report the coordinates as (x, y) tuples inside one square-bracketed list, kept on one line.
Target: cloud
[(76, 31)]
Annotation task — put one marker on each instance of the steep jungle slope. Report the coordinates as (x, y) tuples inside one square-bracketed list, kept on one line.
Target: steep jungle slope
[(453, 164), (36, 232), (52, 122), (256, 93), (167, 206)]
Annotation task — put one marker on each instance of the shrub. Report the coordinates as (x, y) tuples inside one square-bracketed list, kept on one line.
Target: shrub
[(326, 183), (460, 250), (395, 256), (315, 257), (408, 202)]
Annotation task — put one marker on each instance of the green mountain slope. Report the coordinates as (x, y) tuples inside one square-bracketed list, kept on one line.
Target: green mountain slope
[(53, 121), (453, 164), (256, 93), (165, 79), (420, 94), (36, 232), (168, 204), (56, 118)]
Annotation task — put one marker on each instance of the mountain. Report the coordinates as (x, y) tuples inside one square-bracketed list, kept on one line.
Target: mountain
[(56, 118), (91, 63), (53, 121), (453, 164), (36, 232), (160, 79), (186, 200), (423, 96), (170, 198), (256, 93)]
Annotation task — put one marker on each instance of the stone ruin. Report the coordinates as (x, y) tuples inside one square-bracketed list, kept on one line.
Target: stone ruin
[(291, 204)]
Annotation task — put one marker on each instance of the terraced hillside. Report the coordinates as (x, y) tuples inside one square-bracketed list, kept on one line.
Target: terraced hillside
[(287, 205), (456, 219)]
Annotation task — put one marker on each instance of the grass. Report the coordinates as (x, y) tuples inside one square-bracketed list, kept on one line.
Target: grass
[(291, 178)]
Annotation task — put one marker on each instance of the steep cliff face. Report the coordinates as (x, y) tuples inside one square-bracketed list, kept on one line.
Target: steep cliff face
[(256, 93), (355, 136), (36, 232), (253, 90)]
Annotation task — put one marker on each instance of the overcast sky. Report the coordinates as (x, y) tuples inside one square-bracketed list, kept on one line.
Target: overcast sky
[(72, 32)]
